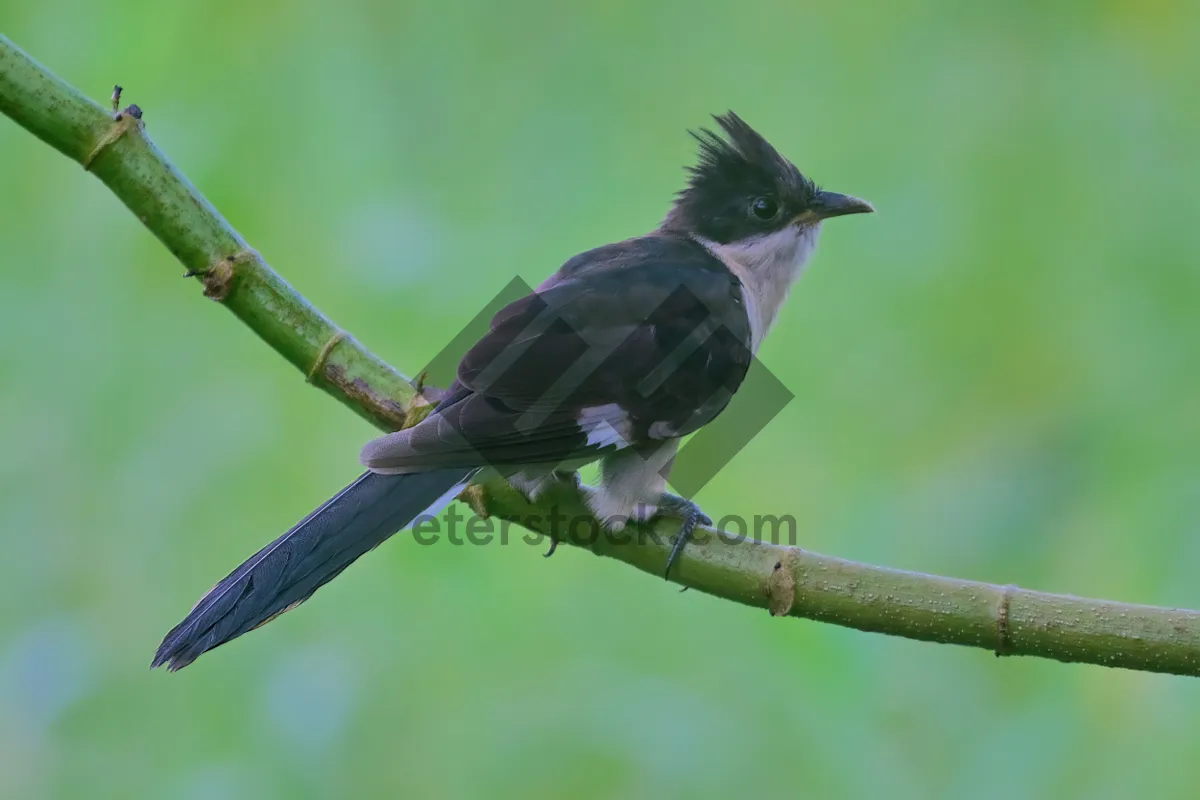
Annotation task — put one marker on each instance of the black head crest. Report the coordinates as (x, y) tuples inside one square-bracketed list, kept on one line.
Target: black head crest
[(732, 173), (744, 149)]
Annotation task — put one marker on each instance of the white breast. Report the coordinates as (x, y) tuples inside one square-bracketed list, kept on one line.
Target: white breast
[(766, 266)]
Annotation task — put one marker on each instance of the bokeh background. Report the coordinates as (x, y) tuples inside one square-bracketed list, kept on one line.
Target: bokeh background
[(997, 377)]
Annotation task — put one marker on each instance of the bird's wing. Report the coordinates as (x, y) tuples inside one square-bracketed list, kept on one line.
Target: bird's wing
[(639, 341)]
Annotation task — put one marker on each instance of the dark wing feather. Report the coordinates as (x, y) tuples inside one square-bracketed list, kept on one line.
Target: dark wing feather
[(655, 326)]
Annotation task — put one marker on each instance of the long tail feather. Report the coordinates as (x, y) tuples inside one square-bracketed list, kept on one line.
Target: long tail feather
[(286, 572)]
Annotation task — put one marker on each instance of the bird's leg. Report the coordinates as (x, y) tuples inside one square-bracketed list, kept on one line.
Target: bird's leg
[(633, 488), (689, 516), (568, 476), (533, 485)]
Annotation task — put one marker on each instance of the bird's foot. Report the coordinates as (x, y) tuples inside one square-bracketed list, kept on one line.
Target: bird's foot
[(689, 516), (533, 487)]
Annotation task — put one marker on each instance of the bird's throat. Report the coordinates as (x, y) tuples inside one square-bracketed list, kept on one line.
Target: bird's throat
[(766, 266)]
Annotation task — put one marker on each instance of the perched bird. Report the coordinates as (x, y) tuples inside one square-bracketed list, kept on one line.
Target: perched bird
[(615, 357)]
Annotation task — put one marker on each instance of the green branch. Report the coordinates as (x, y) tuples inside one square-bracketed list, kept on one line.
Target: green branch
[(784, 580)]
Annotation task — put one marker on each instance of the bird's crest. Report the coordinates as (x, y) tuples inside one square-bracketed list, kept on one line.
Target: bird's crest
[(730, 172)]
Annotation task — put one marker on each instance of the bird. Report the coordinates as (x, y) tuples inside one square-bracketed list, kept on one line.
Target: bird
[(615, 357)]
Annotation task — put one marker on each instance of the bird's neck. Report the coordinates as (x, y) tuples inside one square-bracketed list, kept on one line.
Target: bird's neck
[(766, 266)]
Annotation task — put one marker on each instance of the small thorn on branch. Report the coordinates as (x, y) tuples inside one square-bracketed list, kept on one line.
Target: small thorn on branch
[(133, 110)]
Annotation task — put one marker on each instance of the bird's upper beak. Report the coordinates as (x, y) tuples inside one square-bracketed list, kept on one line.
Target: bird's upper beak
[(832, 204)]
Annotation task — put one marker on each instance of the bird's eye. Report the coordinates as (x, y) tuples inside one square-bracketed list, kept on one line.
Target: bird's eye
[(764, 208)]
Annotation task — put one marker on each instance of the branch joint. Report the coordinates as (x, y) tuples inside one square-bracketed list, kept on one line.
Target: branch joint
[(323, 356), (123, 122), (218, 278), (781, 586), (1003, 644)]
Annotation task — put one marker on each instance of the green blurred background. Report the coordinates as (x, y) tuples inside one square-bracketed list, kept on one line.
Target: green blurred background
[(997, 377)]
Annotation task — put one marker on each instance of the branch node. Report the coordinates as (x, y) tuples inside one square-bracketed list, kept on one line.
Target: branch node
[(1003, 646), (781, 587), (423, 402), (323, 356), (218, 279), (122, 123), (475, 496), (428, 393)]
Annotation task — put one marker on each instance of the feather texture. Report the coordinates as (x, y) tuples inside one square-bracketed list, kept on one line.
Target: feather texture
[(654, 329), (290, 569)]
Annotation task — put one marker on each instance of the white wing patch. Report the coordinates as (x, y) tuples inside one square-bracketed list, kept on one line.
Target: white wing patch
[(606, 426)]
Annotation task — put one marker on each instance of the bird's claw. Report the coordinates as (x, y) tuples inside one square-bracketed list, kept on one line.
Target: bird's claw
[(570, 478), (689, 515)]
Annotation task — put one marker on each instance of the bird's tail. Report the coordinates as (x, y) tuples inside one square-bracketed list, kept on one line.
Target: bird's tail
[(286, 572)]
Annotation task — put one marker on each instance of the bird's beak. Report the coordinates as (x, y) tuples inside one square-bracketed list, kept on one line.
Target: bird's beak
[(832, 204)]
